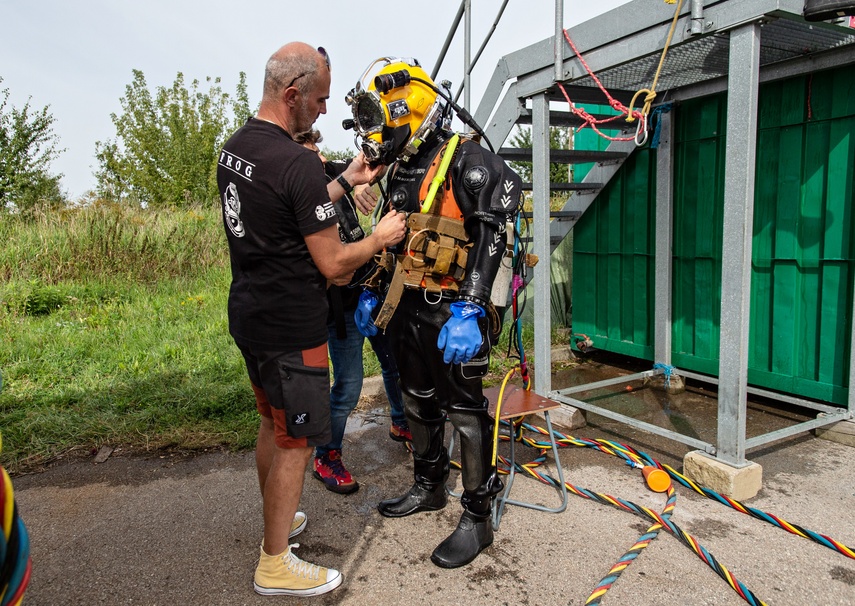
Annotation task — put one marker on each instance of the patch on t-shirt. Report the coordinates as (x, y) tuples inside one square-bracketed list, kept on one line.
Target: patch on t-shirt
[(325, 211), (231, 210), (236, 164)]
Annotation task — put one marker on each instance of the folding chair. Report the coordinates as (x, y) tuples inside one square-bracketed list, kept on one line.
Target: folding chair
[(517, 402)]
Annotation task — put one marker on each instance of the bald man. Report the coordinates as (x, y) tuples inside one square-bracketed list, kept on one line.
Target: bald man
[(285, 249)]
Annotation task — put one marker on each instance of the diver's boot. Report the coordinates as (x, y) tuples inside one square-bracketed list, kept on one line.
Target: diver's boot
[(417, 498), (430, 468), (473, 534)]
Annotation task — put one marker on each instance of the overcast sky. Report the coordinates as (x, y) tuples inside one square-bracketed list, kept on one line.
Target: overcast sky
[(78, 56)]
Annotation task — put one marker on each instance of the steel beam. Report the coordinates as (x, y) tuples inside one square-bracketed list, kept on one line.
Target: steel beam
[(542, 247), (662, 310), (737, 229)]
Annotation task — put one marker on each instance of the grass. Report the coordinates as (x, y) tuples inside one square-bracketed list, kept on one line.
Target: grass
[(114, 331)]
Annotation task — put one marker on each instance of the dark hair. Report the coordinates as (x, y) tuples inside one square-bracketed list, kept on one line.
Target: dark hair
[(310, 136)]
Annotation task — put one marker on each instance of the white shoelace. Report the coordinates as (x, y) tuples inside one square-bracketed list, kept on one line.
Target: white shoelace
[(298, 566)]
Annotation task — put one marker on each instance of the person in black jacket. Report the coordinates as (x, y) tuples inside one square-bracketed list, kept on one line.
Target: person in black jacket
[(345, 341), (433, 292)]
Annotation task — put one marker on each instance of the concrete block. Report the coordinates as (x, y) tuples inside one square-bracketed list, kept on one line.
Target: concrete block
[(738, 483), (562, 353), (842, 432), (676, 384), (564, 418)]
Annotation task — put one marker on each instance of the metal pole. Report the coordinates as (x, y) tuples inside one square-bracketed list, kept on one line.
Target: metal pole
[(483, 45), (697, 17), (542, 273), (737, 228), (448, 40), (559, 40), (467, 48), (664, 242)]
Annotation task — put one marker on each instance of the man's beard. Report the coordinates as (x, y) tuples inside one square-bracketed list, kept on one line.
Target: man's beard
[(304, 120)]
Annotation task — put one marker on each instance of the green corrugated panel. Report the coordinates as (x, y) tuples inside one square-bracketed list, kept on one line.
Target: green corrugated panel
[(803, 260), (699, 178), (613, 271), (588, 139), (801, 286)]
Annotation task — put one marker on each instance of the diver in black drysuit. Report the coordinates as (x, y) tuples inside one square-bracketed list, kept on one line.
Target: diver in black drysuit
[(442, 340)]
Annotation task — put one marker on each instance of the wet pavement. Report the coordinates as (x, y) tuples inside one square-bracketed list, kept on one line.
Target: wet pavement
[(178, 528)]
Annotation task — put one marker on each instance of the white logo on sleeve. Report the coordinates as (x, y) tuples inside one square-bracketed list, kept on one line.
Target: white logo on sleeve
[(231, 211), (325, 211)]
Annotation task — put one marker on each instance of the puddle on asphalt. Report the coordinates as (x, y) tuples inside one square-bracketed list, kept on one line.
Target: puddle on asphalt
[(692, 413)]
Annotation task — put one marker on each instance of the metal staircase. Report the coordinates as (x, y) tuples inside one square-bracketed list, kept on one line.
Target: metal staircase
[(623, 47)]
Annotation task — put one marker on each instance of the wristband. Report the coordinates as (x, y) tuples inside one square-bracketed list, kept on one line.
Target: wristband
[(344, 184)]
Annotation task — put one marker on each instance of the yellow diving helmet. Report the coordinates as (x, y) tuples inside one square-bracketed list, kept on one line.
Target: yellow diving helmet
[(397, 111)]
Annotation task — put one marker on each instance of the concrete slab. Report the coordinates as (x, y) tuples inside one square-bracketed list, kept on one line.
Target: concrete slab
[(842, 432), (184, 528)]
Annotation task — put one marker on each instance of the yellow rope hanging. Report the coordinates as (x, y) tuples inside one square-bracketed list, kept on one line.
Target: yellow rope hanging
[(651, 93)]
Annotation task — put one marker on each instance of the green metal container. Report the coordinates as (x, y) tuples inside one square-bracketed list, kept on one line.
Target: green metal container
[(802, 249)]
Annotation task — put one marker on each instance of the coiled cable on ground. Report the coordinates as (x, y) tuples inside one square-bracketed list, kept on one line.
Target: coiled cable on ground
[(15, 561), (661, 520)]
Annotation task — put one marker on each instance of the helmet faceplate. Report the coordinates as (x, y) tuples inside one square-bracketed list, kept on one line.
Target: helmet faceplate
[(392, 125)]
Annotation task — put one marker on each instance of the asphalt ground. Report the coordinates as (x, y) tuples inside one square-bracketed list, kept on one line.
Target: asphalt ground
[(166, 528)]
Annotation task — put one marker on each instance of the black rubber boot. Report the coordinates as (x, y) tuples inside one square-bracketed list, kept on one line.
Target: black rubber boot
[(416, 499), (473, 534), (430, 462)]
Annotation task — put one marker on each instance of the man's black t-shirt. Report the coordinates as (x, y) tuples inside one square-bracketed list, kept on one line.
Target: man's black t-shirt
[(273, 193)]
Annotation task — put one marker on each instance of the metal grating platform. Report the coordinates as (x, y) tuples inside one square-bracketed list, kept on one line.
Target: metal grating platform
[(706, 58)]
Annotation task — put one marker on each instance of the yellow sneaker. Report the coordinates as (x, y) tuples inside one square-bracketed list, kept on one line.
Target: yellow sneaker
[(298, 525), (286, 574)]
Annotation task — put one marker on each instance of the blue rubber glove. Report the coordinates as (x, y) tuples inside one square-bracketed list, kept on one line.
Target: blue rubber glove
[(362, 316), (460, 338)]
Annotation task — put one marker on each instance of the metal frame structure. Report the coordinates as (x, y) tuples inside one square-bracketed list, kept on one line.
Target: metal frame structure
[(731, 45)]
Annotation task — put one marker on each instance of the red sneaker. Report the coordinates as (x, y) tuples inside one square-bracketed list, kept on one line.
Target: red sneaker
[(330, 470), (400, 433)]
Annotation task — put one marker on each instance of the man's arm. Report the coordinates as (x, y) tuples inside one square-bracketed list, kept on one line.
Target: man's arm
[(336, 260)]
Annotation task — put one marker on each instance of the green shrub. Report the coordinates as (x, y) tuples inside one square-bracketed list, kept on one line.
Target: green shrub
[(42, 300)]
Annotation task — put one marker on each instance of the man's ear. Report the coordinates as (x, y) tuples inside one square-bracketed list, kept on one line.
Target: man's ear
[(289, 96)]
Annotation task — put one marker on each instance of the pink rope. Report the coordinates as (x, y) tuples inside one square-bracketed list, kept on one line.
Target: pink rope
[(586, 117)]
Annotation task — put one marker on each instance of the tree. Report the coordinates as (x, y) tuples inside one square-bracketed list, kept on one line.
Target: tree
[(167, 143), (558, 139), (28, 145)]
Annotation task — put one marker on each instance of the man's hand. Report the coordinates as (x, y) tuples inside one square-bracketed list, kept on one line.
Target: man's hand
[(391, 229), (359, 172), (365, 198), (460, 337)]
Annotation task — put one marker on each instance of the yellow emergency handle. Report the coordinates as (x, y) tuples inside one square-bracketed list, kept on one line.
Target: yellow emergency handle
[(439, 178)]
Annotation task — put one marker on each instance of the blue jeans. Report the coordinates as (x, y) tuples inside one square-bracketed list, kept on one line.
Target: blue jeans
[(346, 357)]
